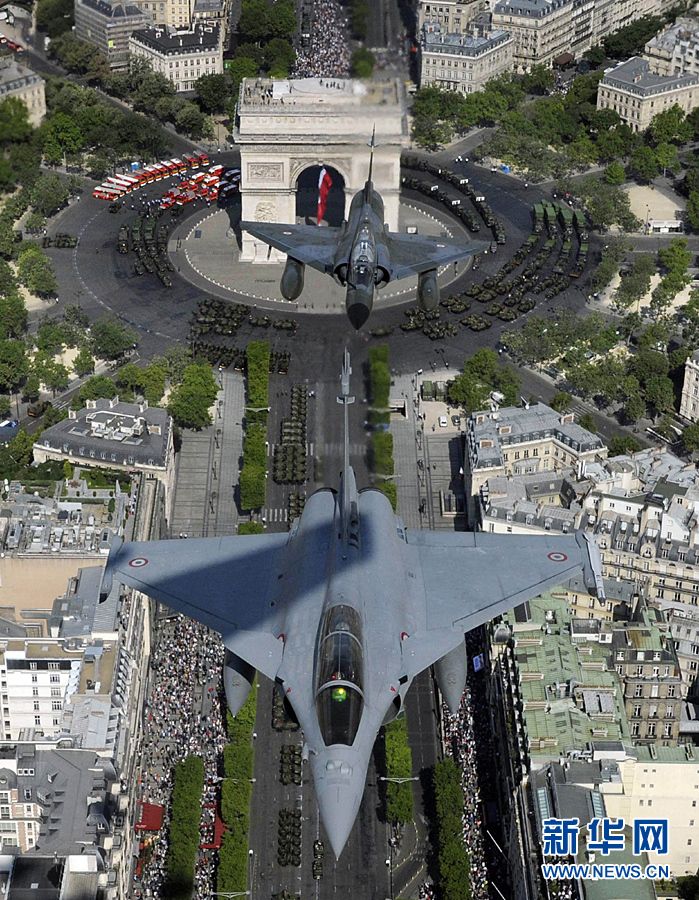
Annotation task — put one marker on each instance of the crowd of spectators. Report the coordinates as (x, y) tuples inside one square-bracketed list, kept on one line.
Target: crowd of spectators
[(182, 716), (327, 53), (462, 737)]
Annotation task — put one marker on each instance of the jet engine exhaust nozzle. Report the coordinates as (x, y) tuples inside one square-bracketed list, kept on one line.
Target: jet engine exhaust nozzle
[(291, 284)]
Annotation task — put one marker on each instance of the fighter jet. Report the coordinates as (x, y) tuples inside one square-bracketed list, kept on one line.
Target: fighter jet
[(362, 255), (344, 610)]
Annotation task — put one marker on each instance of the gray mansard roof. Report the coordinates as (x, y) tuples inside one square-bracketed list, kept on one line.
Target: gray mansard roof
[(636, 77), (490, 433), (108, 432), (456, 44)]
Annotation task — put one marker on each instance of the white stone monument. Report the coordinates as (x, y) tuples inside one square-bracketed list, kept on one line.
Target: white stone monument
[(284, 127)]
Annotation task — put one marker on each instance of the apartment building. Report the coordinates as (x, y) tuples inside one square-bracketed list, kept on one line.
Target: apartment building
[(515, 441), (464, 61), (675, 49), (182, 55), (637, 93), (17, 80), (545, 29), (538, 503), (108, 25), (684, 628), (689, 405), (127, 437), (452, 15)]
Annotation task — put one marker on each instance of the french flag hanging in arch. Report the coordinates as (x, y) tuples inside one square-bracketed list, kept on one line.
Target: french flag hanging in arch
[(324, 184)]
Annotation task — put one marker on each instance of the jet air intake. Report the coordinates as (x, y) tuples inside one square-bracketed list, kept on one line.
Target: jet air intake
[(237, 681), (427, 290), (291, 284), (451, 671)]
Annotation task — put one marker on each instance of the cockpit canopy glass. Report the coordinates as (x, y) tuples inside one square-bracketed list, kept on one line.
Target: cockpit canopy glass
[(339, 676)]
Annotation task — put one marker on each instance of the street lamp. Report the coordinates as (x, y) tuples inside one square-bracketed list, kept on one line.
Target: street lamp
[(399, 780), (258, 408)]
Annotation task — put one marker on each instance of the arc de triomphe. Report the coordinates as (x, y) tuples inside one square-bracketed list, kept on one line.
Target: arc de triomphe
[(285, 127)]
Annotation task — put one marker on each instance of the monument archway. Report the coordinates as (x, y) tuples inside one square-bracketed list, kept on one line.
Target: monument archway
[(307, 196), (289, 128)]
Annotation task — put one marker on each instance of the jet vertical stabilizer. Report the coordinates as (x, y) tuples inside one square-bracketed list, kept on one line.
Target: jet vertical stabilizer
[(348, 484)]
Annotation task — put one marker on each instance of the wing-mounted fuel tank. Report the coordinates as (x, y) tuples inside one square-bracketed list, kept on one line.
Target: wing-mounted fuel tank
[(428, 290), (291, 284), (451, 672), (237, 681)]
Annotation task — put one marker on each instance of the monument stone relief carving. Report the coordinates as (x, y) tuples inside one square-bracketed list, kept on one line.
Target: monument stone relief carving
[(266, 211), (265, 171)]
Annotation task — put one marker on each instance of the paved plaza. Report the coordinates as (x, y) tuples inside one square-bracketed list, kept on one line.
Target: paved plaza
[(205, 250)]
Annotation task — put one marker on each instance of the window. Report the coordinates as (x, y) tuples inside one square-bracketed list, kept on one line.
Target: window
[(56, 704), (37, 720), (55, 679), (651, 733), (36, 706), (638, 690), (637, 710), (35, 678), (35, 692), (671, 690), (635, 730)]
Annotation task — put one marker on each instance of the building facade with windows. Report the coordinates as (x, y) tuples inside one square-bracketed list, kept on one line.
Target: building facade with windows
[(108, 26), (689, 405), (675, 49), (464, 61), (515, 441), (634, 91), (182, 55), (17, 80), (451, 15), (545, 29)]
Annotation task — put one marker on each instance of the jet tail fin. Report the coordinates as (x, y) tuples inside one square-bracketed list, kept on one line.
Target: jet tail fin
[(348, 484)]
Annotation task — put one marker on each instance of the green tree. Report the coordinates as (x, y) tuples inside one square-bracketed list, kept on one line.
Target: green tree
[(643, 164), (35, 270), (84, 362), (539, 80), (14, 120), (282, 21), (32, 388), (692, 211), (561, 402), (669, 125), (55, 16), (623, 444), (49, 194), (595, 55), (13, 365), (111, 338), (212, 91), (666, 155), (660, 393), (253, 23), (615, 173), (635, 408), (587, 421), (96, 388), (190, 401), (363, 62), (690, 438)]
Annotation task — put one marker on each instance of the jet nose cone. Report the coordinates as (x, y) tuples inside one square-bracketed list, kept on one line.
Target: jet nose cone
[(358, 313), (339, 804)]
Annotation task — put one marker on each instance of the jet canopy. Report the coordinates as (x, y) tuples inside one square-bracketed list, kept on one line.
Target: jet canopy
[(339, 698)]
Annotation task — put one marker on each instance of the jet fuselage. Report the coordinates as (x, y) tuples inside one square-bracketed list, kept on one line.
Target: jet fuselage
[(332, 620), (362, 261)]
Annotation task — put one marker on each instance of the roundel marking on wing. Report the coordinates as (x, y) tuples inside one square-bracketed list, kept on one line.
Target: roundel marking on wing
[(557, 557), (138, 562)]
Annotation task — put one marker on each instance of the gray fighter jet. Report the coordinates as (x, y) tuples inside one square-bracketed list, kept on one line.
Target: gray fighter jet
[(362, 254), (345, 610)]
